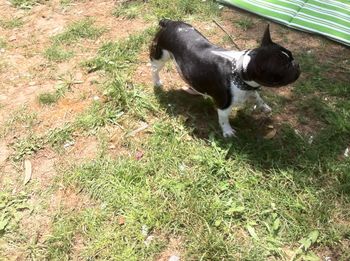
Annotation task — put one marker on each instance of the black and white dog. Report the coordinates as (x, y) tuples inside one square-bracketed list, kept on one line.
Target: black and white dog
[(230, 77)]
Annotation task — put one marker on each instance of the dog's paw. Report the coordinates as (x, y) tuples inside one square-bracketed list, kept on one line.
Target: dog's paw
[(266, 108), (229, 132)]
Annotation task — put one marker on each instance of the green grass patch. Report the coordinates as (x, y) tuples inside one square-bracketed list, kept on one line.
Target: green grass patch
[(65, 85), (47, 98), (157, 9), (83, 29), (239, 199), (245, 23), (18, 118), (129, 10), (27, 146), (10, 208), (12, 23), (26, 4), (212, 194), (3, 43), (57, 53)]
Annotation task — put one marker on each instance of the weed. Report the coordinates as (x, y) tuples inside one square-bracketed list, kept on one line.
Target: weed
[(66, 83), (27, 146), (10, 207), (25, 4), (58, 137), (19, 118), (3, 43), (183, 8), (47, 98), (129, 10), (56, 53), (245, 23), (12, 23)]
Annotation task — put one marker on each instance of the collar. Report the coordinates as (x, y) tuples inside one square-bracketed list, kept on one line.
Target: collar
[(238, 73)]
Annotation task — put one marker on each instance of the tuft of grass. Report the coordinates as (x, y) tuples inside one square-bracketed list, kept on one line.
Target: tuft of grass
[(129, 10), (12, 23), (57, 53), (83, 29), (47, 98), (25, 4), (10, 207), (183, 8), (27, 146), (66, 84), (3, 43), (58, 137), (19, 118), (245, 23)]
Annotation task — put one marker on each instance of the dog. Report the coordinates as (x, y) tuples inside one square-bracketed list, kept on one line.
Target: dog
[(231, 78)]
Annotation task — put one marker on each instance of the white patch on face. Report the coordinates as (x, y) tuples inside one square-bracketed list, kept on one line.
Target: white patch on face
[(285, 54)]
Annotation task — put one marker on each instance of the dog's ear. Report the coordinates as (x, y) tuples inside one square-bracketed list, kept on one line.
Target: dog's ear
[(266, 40)]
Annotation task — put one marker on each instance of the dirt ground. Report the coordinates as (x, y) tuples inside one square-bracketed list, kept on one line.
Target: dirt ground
[(25, 73)]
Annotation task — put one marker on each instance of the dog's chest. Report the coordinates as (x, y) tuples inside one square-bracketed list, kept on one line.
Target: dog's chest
[(240, 97)]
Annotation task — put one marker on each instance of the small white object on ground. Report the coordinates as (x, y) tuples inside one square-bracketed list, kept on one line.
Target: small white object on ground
[(174, 258), (68, 144), (346, 152), (27, 171)]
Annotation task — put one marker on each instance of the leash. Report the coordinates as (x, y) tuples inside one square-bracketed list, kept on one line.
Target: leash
[(223, 29)]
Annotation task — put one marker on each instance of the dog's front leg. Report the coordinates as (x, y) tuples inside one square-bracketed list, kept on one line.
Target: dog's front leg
[(224, 122), (261, 103)]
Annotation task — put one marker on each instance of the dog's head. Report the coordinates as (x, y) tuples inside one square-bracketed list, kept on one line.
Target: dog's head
[(272, 65)]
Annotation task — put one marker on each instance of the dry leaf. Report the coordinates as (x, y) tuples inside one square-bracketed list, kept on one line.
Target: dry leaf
[(139, 155), (271, 133), (27, 171), (121, 220)]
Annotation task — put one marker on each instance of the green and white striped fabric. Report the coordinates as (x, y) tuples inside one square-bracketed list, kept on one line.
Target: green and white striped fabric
[(330, 18)]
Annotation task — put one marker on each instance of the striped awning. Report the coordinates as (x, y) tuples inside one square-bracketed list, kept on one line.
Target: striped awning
[(330, 18)]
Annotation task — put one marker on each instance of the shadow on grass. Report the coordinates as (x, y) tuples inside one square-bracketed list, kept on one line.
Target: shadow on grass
[(289, 149)]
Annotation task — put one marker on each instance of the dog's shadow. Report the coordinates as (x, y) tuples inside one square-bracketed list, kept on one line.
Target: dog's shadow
[(286, 149), (201, 118)]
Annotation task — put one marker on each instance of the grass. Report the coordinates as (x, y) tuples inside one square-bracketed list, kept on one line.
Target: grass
[(245, 23), (12, 23), (25, 4), (57, 53), (243, 199), (83, 29), (48, 98), (18, 119), (10, 207), (179, 181), (158, 9), (3, 43)]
